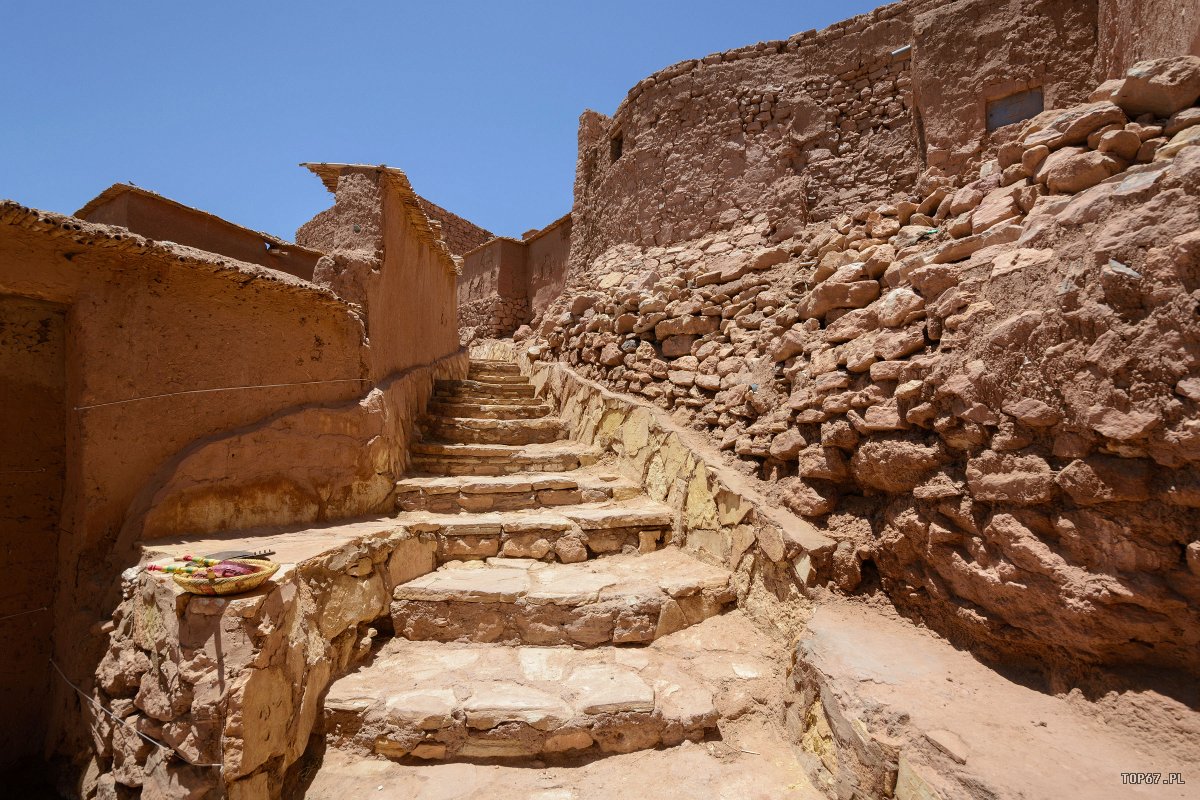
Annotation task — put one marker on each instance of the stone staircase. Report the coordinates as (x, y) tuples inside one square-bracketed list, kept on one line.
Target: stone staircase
[(548, 564)]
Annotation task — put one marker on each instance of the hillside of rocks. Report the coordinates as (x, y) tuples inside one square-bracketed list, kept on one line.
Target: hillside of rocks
[(986, 391)]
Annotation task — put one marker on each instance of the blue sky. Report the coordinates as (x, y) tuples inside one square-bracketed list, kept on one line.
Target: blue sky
[(215, 103)]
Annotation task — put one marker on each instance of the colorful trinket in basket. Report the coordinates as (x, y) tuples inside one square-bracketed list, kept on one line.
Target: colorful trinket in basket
[(218, 576)]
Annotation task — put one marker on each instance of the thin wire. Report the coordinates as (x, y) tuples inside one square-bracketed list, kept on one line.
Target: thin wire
[(221, 389), (152, 741), (23, 613)]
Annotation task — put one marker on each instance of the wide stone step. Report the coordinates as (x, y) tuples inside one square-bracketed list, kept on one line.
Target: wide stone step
[(467, 388), (622, 599), (568, 533), (530, 409), (443, 458), (497, 378), (510, 492), (494, 367), (467, 701), (474, 430)]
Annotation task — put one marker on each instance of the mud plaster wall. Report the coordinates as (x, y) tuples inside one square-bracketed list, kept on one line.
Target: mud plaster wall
[(796, 130), (162, 219), (32, 390), (1132, 32), (461, 235), (412, 309), (546, 259), (150, 327), (1012, 46)]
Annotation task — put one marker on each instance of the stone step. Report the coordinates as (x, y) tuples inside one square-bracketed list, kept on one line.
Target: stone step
[(466, 701), (466, 389), (623, 599), (530, 409), (510, 492), (496, 378), (494, 367), (568, 533), (443, 458), (475, 430)]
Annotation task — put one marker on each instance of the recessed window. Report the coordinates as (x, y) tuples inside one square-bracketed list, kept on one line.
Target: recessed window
[(1014, 108), (616, 146)]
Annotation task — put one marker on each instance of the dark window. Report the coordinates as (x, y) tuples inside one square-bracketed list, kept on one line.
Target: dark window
[(616, 146), (1014, 108)]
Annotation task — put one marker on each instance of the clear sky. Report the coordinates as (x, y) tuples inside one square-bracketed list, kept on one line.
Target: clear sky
[(214, 103)]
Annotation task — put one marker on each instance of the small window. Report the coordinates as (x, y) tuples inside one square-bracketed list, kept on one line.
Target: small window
[(616, 146), (1014, 108)]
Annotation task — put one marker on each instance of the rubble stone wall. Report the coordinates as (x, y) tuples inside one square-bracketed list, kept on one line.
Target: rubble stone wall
[(237, 682), (982, 390), (795, 130)]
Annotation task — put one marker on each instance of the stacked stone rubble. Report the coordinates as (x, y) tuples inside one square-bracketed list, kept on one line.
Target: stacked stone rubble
[(984, 390)]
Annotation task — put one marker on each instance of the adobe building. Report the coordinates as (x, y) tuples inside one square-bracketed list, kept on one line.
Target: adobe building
[(843, 441)]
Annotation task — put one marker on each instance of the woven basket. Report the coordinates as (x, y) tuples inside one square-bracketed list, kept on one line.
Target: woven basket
[(198, 583)]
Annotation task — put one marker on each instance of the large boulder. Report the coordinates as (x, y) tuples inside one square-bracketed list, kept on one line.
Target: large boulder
[(1160, 86)]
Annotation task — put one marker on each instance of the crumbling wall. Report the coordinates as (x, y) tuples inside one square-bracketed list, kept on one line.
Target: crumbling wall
[(794, 131), (547, 253), (982, 387), (239, 395)]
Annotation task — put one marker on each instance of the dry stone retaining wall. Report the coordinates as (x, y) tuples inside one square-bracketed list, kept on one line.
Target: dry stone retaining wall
[(237, 682)]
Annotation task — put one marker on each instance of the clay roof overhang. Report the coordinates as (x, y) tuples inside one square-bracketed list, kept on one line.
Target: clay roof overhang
[(428, 230), (118, 189)]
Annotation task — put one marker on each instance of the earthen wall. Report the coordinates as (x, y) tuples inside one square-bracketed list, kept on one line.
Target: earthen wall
[(32, 469), (461, 235), (792, 131), (160, 218), (1132, 32)]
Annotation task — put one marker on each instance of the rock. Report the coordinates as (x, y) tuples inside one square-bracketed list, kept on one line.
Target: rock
[(1104, 479), (1123, 144), (894, 466), (1082, 171), (1181, 120), (788, 345), (787, 445), (570, 549), (1032, 412), (1073, 126), (1004, 478), (1160, 86), (826, 297), (685, 325), (1185, 138), (896, 306), (806, 499), (675, 346), (611, 355)]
